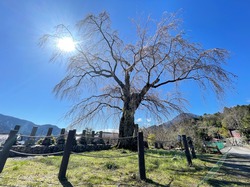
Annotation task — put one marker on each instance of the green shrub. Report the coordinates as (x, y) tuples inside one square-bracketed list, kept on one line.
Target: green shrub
[(111, 165), (46, 141)]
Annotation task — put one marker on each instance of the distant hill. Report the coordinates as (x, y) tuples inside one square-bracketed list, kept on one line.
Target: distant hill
[(8, 123), (178, 119), (181, 117)]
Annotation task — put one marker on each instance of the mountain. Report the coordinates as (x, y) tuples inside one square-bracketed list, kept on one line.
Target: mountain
[(178, 119), (8, 123)]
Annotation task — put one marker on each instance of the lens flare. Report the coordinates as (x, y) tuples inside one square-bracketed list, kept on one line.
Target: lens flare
[(66, 44)]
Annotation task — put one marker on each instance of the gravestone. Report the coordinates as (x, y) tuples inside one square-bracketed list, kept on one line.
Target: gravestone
[(61, 139), (83, 139), (31, 139), (47, 140)]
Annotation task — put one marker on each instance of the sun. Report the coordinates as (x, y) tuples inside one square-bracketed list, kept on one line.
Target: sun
[(66, 44)]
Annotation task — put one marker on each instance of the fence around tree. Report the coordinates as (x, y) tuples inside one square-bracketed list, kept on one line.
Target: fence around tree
[(68, 142)]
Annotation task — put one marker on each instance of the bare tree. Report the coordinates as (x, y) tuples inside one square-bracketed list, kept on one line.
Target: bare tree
[(127, 77)]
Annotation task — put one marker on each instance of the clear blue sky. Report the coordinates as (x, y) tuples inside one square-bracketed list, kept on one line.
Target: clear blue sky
[(27, 78)]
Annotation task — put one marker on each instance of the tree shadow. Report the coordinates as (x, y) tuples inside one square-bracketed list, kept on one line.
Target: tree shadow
[(218, 183), (210, 158), (234, 165), (157, 184)]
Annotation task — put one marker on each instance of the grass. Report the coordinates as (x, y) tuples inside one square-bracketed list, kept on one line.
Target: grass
[(163, 168)]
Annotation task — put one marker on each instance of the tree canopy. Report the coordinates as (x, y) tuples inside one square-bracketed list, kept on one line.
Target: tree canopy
[(126, 77)]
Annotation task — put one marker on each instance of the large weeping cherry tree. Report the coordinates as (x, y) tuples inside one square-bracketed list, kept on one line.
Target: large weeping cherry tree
[(127, 77)]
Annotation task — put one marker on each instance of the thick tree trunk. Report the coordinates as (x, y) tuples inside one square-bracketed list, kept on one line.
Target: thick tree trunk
[(126, 131), (127, 125)]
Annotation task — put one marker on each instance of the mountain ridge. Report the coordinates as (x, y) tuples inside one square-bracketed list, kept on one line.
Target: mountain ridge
[(8, 123), (177, 119)]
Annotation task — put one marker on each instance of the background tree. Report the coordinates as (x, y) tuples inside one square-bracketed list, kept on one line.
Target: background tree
[(237, 118), (151, 139), (246, 125), (127, 76)]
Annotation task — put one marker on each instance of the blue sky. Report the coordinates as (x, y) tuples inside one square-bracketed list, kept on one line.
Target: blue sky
[(27, 77)]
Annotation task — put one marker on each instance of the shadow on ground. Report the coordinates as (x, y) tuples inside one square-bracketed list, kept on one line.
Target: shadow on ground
[(149, 181), (234, 171), (220, 183)]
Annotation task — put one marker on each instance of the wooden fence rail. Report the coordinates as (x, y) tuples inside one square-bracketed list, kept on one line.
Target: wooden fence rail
[(187, 143)]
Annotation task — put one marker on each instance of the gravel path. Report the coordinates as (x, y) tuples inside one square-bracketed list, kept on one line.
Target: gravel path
[(237, 164), (238, 161), (238, 151)]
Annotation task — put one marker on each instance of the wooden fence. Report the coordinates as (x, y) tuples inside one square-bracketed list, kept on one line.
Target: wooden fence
[(70, 143)]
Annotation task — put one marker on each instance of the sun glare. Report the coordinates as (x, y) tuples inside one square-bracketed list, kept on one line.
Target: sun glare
[(66, 44)]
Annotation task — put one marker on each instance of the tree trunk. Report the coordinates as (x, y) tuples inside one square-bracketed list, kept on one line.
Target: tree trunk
[(126, 131)]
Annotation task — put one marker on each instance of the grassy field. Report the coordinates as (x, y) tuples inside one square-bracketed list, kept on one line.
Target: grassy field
[(107, 168)]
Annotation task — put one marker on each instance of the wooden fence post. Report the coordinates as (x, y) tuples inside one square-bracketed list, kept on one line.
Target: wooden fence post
[(190, 144), (6, 148), (141, 159), (156, 145), (66, 155), (188, 156)]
